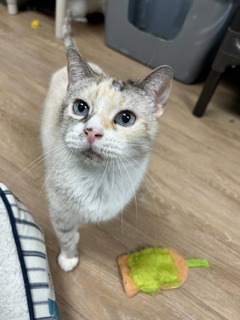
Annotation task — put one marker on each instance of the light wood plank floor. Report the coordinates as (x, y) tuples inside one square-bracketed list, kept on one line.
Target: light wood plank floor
[(193, 179)]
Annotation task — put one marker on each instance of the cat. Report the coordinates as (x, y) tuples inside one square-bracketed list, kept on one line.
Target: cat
[(96, 135)]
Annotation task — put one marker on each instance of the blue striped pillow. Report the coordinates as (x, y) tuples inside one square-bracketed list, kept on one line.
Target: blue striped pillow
[(28, 241)]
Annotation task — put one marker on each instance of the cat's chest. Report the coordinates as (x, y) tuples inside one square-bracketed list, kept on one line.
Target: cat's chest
[(99, 194)]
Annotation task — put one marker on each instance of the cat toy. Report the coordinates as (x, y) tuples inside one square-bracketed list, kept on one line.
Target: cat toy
[(35, 24), (154, 268)]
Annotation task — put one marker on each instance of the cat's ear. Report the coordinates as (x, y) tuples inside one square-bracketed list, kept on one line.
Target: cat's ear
[(157, 85), (77, 67)]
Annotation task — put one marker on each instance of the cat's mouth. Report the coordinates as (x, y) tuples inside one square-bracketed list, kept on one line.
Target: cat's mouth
[(92, 156)]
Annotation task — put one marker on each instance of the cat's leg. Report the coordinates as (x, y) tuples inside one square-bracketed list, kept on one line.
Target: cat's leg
[(68, 256), (66, 230)]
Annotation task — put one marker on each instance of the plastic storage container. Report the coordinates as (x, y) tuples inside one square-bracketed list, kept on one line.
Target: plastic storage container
[(181, 33)]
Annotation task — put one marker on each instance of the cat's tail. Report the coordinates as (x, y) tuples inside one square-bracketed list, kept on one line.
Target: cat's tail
[(67, 30)]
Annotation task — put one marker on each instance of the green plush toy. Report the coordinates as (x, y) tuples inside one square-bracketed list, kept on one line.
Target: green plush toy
[(154, 268)]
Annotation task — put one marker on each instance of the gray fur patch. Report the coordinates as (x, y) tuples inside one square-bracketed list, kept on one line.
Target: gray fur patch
[(119, 85)]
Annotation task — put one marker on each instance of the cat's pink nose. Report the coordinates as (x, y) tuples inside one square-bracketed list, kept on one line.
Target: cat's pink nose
[(92, 134)]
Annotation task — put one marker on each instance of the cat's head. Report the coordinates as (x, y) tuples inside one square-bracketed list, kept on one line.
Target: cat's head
[(104, 118)]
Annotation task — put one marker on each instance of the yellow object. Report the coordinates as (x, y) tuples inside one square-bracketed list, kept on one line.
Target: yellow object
[(35, 24)]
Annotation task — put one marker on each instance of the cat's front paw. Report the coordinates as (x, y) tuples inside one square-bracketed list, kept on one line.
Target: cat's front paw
[(67, 264)]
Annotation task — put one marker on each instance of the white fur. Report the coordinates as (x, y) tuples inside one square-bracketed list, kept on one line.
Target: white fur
[(79, 193), (92, 180)]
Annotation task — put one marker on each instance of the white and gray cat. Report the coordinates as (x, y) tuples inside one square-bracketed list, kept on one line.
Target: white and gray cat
[(96, 134)]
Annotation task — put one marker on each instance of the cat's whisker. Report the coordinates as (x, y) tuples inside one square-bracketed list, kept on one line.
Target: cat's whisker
[(31, 165), (67, 201), (113, 179), (143, 146), (64, 159), (146, 184), (134, 193), (102, 179), (39, 159), (119, 168), (113, 175), (149, 175), (104, 172), (45, 156), (62, 155)]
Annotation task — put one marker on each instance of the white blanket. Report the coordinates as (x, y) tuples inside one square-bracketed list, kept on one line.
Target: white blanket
[(26, 290)]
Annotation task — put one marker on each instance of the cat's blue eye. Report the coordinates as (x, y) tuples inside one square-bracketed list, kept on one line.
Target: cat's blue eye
[(125, 118), (81, 108)]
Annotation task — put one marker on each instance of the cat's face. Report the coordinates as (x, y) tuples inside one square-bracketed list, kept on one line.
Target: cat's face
[(103, 118)]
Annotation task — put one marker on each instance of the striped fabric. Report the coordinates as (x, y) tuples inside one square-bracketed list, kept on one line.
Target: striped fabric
[(30, 245)]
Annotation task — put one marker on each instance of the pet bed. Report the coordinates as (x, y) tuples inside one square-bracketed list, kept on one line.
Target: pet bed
[(26, 290)]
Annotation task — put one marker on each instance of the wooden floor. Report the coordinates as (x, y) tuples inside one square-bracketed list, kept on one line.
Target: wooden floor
[(193, 179)]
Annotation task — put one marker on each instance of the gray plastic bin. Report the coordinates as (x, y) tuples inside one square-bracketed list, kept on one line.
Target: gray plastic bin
[(181, 33)]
